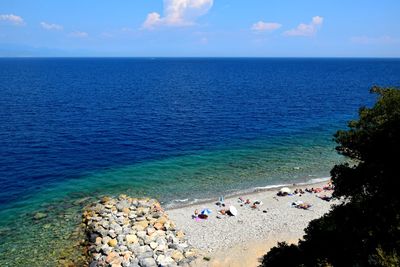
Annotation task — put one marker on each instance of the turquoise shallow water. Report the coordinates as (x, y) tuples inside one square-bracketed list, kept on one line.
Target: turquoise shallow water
[(183, 179)]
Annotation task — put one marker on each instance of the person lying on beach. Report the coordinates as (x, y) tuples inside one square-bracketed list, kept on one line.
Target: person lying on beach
[(301, 205), (325, 197), (256, 204), (304, 206), (225, 212), (202, 216), (317, 190)]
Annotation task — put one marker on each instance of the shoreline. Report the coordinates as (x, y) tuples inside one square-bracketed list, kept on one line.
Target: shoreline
[(224, 238), (243, 192)]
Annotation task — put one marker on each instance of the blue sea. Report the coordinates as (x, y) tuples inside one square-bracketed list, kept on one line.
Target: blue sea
[(177, 129)]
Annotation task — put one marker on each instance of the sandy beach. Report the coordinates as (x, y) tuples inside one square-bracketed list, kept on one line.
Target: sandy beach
[(241, 240)]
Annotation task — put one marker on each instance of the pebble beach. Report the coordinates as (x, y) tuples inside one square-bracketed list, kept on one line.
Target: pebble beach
[(241, 240), (237, 231)]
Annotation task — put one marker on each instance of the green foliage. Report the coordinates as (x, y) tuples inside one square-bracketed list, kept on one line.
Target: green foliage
[(365, 229), (385, 258)]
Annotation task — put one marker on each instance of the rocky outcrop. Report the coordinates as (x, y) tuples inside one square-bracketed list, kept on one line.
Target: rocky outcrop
[(133, 232)]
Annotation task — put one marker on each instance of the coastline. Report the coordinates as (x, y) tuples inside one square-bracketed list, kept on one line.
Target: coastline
[(253, 231), (180, 203), (63, 218)]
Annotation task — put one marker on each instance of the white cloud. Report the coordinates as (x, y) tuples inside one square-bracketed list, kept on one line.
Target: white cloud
[(78, 34), (306, 29), (365, 40), (262, 26), (178, 13), (13, 19), (50, 26), (153, 19)]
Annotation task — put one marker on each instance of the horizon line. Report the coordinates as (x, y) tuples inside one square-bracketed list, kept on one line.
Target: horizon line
[(210, 57)]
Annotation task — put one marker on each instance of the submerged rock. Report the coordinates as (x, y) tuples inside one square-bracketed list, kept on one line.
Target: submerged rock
[(40, 215)]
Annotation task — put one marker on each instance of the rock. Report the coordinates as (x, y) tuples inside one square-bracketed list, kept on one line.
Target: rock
[(93, 237), (133, 247), (173, 246), (112, 234), (159, 226), (161, 248), (131, 239), (177, 255), (161, 241), (156, 215), (151, 230), (98, 240), (106, 249), (140, 226), (111, 257), (105, 200), (121, 239), (162, 220), (190, 254), (79, 202), (165, 261), (142, 250), (141, 211), (160, 233), (149, 239), (127, 255), (147, 262), (180, 234), (96, 256), (106, 239), (172, 226), (112, 242), (140, 218), (147, 254), (39, 215), (153, 245), (116, 263), (128, 232), (141, 234), (117, 229), (122, 204), (167, 226), (105, 224), (132, 215), (126, 210)]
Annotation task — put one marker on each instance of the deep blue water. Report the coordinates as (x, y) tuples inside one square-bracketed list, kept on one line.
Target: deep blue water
[(165, 128), (61, 118)]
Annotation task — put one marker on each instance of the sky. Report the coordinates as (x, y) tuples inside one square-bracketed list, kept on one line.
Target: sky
[(200, 28)]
